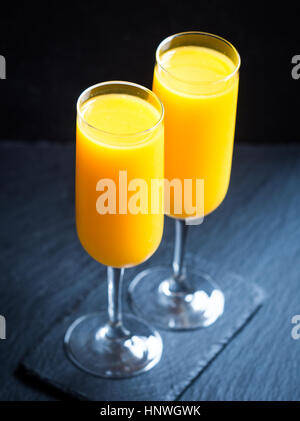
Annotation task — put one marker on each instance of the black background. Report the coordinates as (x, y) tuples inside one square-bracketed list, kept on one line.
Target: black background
[(54, 50)]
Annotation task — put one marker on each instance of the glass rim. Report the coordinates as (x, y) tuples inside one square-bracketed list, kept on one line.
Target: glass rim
[(180, 34), (121, 83)]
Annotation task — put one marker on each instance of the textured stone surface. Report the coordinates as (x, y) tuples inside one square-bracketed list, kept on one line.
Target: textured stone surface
[(256, 233)]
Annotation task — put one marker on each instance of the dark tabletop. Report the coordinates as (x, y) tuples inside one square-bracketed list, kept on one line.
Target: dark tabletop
[(255, 232)]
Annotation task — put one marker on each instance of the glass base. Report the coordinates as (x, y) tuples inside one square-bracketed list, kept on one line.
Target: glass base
[(90, 346), (189, 304)]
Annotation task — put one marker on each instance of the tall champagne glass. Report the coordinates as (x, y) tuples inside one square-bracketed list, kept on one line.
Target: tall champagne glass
[(119, 140), (196, 77)]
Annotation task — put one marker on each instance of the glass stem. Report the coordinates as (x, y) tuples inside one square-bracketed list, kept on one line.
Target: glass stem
[(181, 231), (115, 328)]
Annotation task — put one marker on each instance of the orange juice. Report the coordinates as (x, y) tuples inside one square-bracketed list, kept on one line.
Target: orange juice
[(117, 132), (199, 90)]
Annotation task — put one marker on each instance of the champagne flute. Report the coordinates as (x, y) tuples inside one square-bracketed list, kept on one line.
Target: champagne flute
[(196, 76), (119, 134)]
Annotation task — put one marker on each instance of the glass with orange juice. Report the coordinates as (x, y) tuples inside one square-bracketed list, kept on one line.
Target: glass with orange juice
[(119, 141), (196, 77)]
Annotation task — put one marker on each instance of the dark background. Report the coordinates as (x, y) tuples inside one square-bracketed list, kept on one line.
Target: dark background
[(54, 50)]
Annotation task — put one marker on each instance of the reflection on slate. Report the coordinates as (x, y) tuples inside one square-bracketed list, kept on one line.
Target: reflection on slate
[(185, 353)]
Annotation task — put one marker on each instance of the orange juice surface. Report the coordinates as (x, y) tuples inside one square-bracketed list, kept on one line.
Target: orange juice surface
[(115, 132), (200, 110)]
